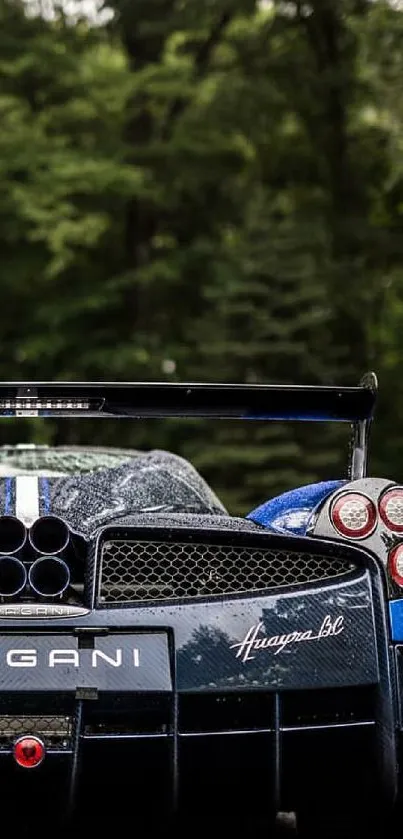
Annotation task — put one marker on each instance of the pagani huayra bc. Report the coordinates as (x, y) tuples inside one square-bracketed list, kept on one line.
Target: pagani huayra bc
[(166, 665)]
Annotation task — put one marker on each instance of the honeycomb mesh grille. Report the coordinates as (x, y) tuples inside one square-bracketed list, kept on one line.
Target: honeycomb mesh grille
[(138, 571), (55, 731)]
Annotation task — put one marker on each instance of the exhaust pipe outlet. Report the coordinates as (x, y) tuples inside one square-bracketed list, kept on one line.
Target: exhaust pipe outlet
[(49, 576), (13, 534), (49, 535), (13, 576)]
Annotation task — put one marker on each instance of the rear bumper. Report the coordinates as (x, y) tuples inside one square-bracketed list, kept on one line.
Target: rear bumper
[(251, 706)]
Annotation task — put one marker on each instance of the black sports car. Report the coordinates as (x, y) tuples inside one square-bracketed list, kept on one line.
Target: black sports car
[(166, 665)]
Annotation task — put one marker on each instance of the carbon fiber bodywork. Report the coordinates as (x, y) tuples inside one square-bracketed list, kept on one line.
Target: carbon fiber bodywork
[(272, 694), (210, 674)]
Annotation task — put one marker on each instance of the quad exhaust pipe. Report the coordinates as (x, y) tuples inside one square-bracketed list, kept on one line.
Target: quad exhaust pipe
[(49, 576), (49, 535), (13, 534), (13, 576)]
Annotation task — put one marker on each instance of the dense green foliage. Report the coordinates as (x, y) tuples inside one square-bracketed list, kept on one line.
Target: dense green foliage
[(203, 190)]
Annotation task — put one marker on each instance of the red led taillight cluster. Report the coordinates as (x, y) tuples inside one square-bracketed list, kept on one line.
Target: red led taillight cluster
[(391, 509), (355, 516), (395, 565)]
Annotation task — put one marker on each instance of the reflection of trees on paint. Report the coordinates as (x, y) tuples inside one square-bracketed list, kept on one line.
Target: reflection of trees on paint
[(208, 660), (328, 658), (287, 615)]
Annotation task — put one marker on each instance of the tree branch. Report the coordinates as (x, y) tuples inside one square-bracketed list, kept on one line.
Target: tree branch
[(202, 60)]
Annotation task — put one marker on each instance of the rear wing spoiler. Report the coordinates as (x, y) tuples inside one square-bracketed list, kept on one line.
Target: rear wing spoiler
[(138, 400)]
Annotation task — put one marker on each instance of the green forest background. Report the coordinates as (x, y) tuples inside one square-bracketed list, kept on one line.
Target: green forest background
[(205, 190)]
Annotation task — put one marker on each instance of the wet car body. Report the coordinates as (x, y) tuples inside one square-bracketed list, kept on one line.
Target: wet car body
[(164, 663)]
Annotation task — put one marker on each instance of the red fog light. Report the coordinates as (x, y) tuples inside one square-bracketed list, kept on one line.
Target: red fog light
[(391, 509), (29, 752), (354, 515), (396, 565)]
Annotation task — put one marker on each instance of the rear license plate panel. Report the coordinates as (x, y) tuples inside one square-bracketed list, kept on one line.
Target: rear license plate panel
[(116, 662)]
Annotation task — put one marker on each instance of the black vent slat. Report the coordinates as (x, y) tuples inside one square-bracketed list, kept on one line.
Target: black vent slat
[(230, 711), (127, 723), (328, 706), (141, 571), (255, 710)]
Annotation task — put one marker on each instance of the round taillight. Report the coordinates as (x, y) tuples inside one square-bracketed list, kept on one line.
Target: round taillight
[(354, 515), (29, 751), (396, 565), (391, 509)]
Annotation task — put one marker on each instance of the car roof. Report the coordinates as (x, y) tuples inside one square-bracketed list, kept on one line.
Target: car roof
[(53, 461)]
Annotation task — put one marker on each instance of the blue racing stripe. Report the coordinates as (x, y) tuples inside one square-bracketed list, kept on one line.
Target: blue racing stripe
[(44, 495), (9, 495)]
